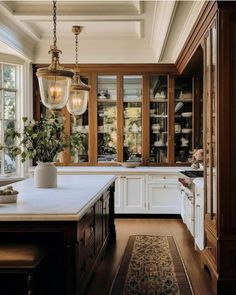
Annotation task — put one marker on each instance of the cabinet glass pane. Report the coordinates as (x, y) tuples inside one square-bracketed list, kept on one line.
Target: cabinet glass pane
[(183, 119), (158, 119), (214, 125), (107, 118), (208, 110), (132, 118), (79, 134)]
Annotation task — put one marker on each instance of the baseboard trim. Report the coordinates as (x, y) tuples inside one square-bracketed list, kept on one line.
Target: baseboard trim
[(166, 216)]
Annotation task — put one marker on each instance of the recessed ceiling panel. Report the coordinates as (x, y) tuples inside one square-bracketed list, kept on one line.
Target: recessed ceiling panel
[(91, 29), (110, 7)]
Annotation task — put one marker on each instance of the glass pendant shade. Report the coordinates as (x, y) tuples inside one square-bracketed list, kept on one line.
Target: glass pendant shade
[(54, 89), (79, 96)]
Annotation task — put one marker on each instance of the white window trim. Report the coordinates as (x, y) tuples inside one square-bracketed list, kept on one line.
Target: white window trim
[(24, 108)]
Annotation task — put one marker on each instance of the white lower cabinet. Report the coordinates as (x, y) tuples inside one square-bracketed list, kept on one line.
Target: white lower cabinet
[(130, 194), (134, 194), (199, 217), (154, 194), (164, 198)]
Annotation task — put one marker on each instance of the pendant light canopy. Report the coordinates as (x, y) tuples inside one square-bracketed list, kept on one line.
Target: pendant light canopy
[(79, 92), (55, 80)]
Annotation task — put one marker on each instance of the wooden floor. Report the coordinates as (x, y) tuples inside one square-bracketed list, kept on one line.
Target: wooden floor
[(102, 281)]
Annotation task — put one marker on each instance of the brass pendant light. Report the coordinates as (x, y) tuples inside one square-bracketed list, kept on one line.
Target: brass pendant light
[(79, 92), (54, 80)]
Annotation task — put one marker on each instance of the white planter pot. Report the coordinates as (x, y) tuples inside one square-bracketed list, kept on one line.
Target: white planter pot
[(45, 175)]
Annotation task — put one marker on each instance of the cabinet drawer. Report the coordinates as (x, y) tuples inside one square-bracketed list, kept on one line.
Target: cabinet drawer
[(86, 228), (211, 246), (157, 177)]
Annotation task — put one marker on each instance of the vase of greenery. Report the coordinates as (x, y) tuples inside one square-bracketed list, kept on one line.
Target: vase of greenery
[(41, 141)]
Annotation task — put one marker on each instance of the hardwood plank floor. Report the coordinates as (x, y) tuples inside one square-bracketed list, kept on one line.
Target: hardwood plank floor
[(105, 274)]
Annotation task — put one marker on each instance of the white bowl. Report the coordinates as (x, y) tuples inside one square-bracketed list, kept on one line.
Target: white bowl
[(186, 115), (186, 130), (130, 164), (4, 199), (156, 127)]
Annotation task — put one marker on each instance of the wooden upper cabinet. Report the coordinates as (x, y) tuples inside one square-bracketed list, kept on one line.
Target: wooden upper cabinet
[(137, 116), (183, 123)]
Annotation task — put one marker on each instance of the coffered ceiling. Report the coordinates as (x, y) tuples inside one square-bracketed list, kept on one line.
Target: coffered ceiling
[(114, 31)]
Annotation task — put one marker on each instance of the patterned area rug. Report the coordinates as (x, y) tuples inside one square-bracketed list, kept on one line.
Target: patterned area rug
[(151, 265)]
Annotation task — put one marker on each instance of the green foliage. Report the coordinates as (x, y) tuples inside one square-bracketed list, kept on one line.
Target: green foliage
[(77, 142), (40, 140)]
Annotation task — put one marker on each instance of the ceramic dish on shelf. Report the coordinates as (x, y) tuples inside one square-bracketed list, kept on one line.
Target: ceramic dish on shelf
[(129, 164), (186, 130), (187, 114), (187, 95)]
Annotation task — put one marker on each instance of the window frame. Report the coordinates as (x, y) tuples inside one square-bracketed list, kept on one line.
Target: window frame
[(16, 90)]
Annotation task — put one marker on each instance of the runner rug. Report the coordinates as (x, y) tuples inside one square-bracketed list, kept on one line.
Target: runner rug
[(151, 265)]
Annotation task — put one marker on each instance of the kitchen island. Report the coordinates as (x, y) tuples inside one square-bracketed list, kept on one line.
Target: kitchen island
[(77, 216)]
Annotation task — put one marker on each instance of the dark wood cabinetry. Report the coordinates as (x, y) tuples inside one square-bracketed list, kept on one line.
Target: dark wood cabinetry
[(94, 230), (215, 32)]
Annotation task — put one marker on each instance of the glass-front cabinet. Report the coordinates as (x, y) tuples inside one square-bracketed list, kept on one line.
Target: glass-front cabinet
[(107, 118), (79, 132), (210, 107), (132, 118), (183, 123), (144, 117), (158, 119)]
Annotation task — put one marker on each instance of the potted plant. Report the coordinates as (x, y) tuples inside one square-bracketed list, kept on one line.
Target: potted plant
[(41, 141)]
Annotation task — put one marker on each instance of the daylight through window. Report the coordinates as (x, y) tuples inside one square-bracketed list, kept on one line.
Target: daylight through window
[(8, 112)]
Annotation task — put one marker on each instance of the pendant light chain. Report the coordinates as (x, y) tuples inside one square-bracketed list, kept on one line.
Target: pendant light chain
[(54, 23), (76, 50)]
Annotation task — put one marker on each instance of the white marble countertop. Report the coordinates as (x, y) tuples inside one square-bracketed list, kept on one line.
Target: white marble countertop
[(69, 201), (116, 169)]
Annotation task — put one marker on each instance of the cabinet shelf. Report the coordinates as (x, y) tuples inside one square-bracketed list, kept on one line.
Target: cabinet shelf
[(106, 100)]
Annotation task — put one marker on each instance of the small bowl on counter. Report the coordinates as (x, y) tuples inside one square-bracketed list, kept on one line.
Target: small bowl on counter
[(130, 164), (8, 195)]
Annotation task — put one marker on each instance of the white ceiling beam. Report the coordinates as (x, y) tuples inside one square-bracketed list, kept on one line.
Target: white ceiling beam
[(185, 17), (15, 38), (163, 15)]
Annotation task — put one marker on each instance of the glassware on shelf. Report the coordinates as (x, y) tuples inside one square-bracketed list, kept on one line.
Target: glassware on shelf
[(107, 118), (158, 119), (183, 119), (132, 118)]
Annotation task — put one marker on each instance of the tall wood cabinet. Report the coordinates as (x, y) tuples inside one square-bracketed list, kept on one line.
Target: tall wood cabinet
[(210, 147), (142, 114), (216, 32)]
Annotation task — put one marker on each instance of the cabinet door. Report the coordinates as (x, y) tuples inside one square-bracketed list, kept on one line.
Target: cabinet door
[(190, 213), (107, 118), (79, 130), (132, 118), (105, 216), (158, 119), (210, 122), (183, 119), (118, 194), (134, 193), (164, 198), (182, 205), (199, 218)]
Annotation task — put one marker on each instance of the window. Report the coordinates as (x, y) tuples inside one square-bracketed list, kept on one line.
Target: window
[(9, 85)]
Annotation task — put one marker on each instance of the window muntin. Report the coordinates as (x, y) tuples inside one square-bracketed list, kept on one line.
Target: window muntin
[(8, 112)]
